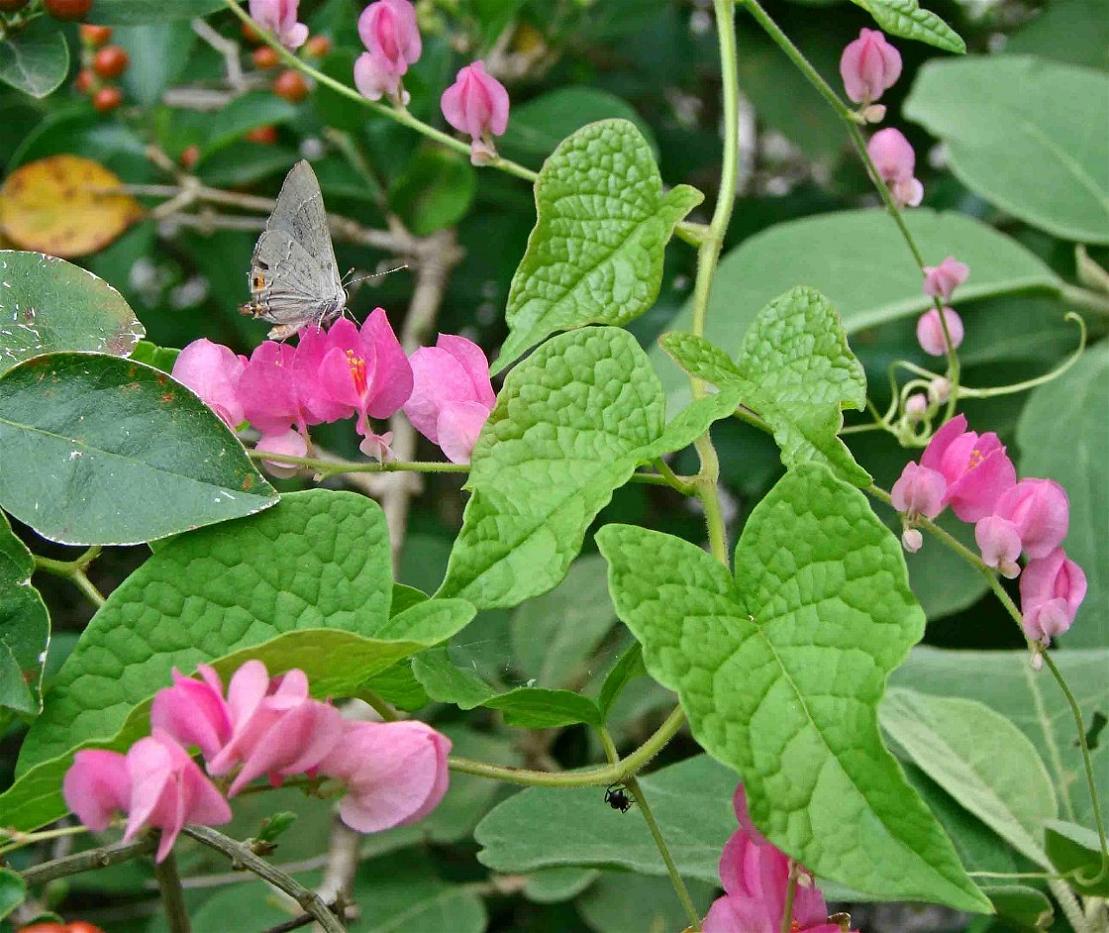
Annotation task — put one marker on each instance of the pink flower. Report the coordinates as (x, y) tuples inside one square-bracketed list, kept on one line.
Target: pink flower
[(976, 468), (193, 711), (894, 159), (395, 773), (280, 18), (919, 491), (999, 541), (168, 790), (1051, 590), (477, 105), (869, 66), (1040, 510), (290, 443), (268, 389), (388, 30), (367, 371), (97, 786), (451, 395), (942, 280), (316, 404), (929, 331), (212, 371), (277, 730)]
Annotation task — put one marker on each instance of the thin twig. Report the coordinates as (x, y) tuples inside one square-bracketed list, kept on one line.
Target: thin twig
[(173, 897), (89, 860), (228, 48)]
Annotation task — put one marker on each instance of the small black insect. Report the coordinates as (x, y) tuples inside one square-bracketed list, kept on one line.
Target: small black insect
[(616, 796)]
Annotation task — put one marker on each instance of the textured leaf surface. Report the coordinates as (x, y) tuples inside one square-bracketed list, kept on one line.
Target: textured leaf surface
[(981, 759), (1062, 435), (905, 18), (1075, 848), (24, 626), (857, 261), (595, 255), (36, 59), (543, 827), (1033, 702), (100, 450), (781, 670), (570, 426), (1025, 134), (796, 370), (48, 304)]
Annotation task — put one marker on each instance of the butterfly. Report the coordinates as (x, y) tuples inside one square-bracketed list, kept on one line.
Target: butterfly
[(294, 278)]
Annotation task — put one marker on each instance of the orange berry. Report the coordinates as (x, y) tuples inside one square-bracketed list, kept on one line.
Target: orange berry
[(110, 61), (291, 86), (95, 36), (84, 80), (264, 57), (67, 9), (264, 135), (317, 46), (251, 34), (107, 98), (189, 157)]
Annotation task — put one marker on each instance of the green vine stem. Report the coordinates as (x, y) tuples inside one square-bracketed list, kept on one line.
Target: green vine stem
[(173, 896), (74, 572), (396, 114)]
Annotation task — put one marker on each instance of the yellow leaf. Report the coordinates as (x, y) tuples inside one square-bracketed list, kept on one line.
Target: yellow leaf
[(60, 205)]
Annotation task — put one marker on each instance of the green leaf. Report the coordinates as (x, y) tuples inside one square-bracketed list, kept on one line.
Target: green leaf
[(570, 426), (905, 18), (624, 903), (528, 707), (130, 12), (540, 124), (1004, 681), (623, 672), (981, 759), (151, 354), (48, 304), (766, 664), (796, 371), (859, 263), (13, 891), (554, 636), (1071, 31), (551, 885), (245, 113), (24, 627), (1017, 130), (403, 894), (99, 450), (595, 255), (1061, 435), (435, 191), (1022, 907), (1074, 848), (545, 827), (159, 52), (35, 60)]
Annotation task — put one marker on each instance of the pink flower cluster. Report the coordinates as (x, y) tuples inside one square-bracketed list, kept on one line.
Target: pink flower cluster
[(339, 373), (755, 875), (476, 104), (973, 474), (940, 282), (280, 18), (393, 772)]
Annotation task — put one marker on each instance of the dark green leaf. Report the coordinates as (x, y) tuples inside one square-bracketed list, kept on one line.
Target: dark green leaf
[(620, 902), (435, 191), (159, 52), (24, 627), (130, 12), (236, 119), (623, 672), (1023, 907), (905, 18), (1071, 31), (99, 450), (13, 891), (35, 60), (1074, 848)]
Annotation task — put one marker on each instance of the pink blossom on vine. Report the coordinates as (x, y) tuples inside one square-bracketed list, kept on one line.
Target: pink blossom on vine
[(451, 395), (1051, 590), (976, 468), (395, 773), (97, 786), (289, 443), (213, 371), (895, 161), (869, 67), (1040, 510), (193, 711), (389, 32), (929, 331), (919, 491), (942, 280), (312, 346), (477, 105), (267, 389), (280, 18), (999, 542), (168, 790)]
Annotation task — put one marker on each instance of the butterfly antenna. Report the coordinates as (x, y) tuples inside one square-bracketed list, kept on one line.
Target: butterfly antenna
[(375, 275)]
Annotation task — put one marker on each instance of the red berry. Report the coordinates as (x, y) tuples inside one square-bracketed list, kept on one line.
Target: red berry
[(10, 6), (68, 9), (189, 157), (84, 80), (317, 46), (251, 34), (265, 135), (291, 86), (107, 98), (95, 36), (110, 61), (264, 57)]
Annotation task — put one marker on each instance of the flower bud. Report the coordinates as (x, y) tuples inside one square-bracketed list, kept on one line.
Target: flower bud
[(869, 66), (289, 443), (939, 390), (999, 542), (213, 371), (915, 406), (874, 113), (919, 491), (912, 540), (1051, 590), (477, 104), (942, 280), (1040, 510), (391, 35), (895, 161), (929, 331), (280, 18)]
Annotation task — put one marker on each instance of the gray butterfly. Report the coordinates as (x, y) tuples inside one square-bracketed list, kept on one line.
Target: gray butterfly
[(294, 279)]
